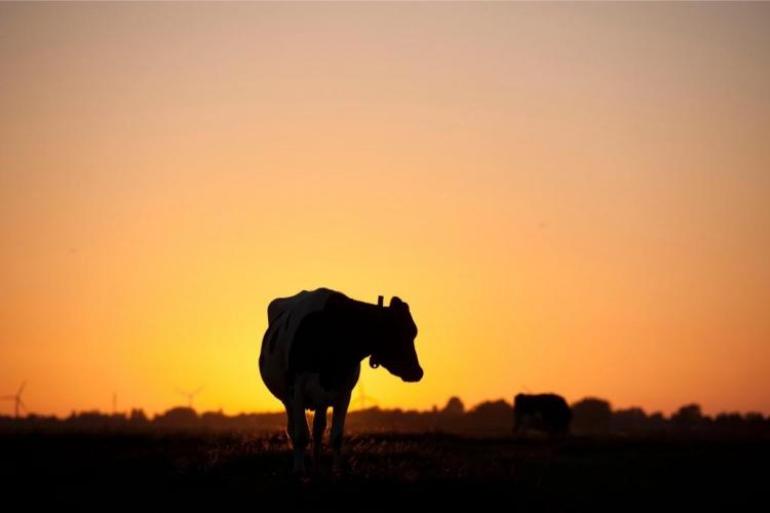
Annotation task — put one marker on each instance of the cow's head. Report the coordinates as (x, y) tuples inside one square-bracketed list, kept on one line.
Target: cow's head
[(396, 351)]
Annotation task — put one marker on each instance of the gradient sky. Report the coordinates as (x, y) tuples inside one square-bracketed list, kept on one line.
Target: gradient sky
[(571, 197)]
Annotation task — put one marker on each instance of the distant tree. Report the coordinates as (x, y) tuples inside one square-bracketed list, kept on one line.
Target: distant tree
[(730, 423), (656, 421), (492, 408), (137, 416), (178, 417), (630, 420), (214, 419), (454, 406), (89, 420), (491, 417), (729, 418), (591, 416), (687, 417)]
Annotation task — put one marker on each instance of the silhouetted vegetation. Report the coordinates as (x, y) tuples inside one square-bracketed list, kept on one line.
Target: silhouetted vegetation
[(454, 407), (448, 456), (590, 416), (385, 471)]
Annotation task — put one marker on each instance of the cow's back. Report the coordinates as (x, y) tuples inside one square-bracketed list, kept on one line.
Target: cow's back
[(546, 412), (284, 316)]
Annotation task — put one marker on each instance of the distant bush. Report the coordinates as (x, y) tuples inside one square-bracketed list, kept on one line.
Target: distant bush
[(631, 420), (591, 416), (687, 417), (454, 407), (180, 417)]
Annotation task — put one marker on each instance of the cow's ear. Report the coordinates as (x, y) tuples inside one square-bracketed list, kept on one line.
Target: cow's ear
[(399, 305)]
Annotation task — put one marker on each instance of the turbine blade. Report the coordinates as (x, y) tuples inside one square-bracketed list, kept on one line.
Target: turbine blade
[(199, 390), (21, 388)]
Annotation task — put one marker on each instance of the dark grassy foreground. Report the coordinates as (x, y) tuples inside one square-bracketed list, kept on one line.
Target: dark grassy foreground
[(575, 474)]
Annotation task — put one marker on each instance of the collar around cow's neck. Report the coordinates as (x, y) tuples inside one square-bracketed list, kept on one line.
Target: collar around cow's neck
[(379, 338)]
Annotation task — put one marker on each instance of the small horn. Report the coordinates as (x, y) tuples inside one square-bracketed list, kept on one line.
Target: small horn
[(380, 300)]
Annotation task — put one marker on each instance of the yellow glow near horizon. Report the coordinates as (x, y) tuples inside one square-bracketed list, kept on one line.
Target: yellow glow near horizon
[(571, 198)]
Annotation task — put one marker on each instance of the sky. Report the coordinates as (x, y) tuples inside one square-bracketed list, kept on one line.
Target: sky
[(571, 197)]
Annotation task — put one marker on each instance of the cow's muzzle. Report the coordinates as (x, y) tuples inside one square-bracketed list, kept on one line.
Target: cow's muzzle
[(413, 376)]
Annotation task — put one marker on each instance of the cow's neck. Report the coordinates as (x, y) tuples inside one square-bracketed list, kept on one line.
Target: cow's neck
[(365, 327)]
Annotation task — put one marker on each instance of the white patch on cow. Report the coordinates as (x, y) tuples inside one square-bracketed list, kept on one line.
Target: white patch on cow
[(284, 315)]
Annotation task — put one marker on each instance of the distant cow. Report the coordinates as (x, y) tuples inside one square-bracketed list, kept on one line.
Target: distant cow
[(311, 357), (544, 412)]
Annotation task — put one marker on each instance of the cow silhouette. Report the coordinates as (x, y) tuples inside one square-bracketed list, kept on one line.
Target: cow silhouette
[(311, 358), (548, 413)]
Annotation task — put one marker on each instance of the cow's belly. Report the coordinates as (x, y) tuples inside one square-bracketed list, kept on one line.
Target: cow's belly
[(274, 372), (314, 396), (276, 381)]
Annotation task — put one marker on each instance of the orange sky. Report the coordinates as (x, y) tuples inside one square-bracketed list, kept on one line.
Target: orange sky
[(571, 197)]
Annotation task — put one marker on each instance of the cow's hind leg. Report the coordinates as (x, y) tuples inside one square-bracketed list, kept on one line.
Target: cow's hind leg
[(319, 426), (295, 410)]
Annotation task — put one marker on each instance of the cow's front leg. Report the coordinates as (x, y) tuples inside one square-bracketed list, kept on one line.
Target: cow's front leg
[(298, 431), (319, 426), (338, 429)]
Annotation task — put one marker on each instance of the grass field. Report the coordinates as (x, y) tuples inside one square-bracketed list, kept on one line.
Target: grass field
[(385, 472)]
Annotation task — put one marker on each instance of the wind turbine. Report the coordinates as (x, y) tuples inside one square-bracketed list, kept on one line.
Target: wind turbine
[(190, 395), (18, 403), (361, 398)]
